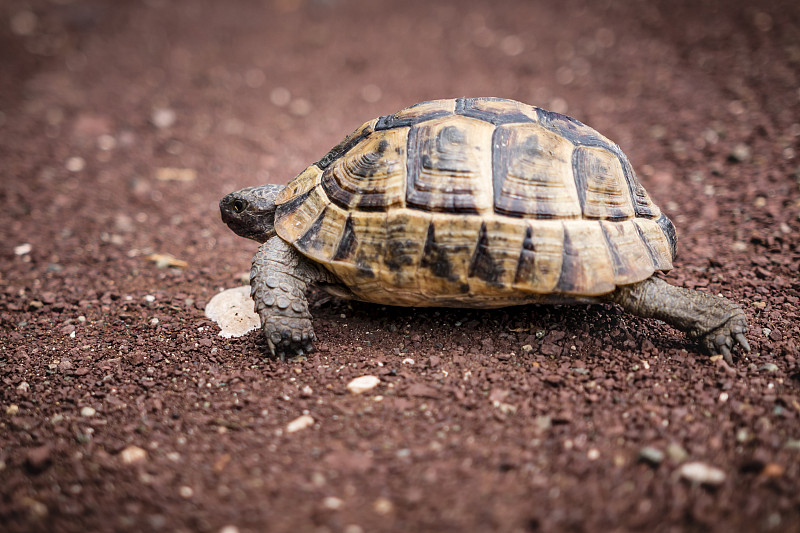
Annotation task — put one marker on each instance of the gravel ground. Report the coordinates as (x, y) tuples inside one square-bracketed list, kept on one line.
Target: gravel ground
[(123, 123)]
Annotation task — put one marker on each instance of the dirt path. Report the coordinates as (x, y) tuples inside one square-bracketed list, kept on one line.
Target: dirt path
[(123, 123)]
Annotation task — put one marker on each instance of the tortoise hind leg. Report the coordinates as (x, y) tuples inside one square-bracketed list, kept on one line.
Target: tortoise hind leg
[(715, 321)]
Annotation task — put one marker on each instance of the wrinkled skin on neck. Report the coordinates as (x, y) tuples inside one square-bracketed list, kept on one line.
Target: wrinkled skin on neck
[(250, 212)]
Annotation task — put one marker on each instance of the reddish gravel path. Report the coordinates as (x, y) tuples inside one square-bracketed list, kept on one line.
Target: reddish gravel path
[(123, 123)]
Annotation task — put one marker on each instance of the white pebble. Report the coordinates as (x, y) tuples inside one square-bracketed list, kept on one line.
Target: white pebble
[(75, 164), (233, 312), (332, 503), (163, 118), (301, 422), (698, 472), (383, 506), (186, 492), (407, 361), (229, 529), (362, 384), (88, 411), (132, 454), (23, 249)]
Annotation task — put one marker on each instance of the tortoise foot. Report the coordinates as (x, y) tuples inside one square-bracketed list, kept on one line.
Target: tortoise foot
[(289, 336), (722, 339)]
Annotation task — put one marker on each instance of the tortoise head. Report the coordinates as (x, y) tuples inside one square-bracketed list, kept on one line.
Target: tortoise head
[(250, 212)]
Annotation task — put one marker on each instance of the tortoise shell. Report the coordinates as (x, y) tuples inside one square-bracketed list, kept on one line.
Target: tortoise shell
[(480, 202)]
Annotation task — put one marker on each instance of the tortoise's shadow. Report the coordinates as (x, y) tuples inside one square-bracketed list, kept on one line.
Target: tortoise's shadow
[(600, 327)]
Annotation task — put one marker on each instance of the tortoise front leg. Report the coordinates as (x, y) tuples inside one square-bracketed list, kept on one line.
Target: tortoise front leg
[(279, 278), (718, 323)]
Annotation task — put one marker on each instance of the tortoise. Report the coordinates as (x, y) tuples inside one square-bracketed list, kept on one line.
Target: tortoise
[(468, 202)]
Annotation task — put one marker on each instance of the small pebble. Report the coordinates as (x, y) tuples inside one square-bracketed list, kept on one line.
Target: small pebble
[(769, 367), (23, 388), (12, 409), (88, 411), (301, 422), (740, 153), (23, 249), (39, 458), (132, 454), (651, 455), (163, 118), (407, 361), (333, 503), (676, 452), (75, 164), (106, 142), (362, 384), (383, 506), (229, 529), (186, 492), (701, 473), (743, 435)]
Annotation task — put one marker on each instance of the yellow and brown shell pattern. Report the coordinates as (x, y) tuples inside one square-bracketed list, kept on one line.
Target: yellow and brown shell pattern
[(481, 202)]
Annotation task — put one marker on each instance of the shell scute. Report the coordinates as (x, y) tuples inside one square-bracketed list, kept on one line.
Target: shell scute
[(371, 176), (532, 173), (447, 166), (601, 184)]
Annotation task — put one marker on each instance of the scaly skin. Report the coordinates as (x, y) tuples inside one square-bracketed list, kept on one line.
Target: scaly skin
[(279, 278), (717, 323)]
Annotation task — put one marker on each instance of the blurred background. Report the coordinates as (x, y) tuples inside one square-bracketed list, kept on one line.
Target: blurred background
[(122, 124)]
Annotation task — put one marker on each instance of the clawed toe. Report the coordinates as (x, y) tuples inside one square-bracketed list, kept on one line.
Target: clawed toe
[(725, 337), (740, 338), (285, 341)]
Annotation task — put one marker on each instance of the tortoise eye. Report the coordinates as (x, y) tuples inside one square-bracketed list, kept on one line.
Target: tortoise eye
[(239, 205)]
